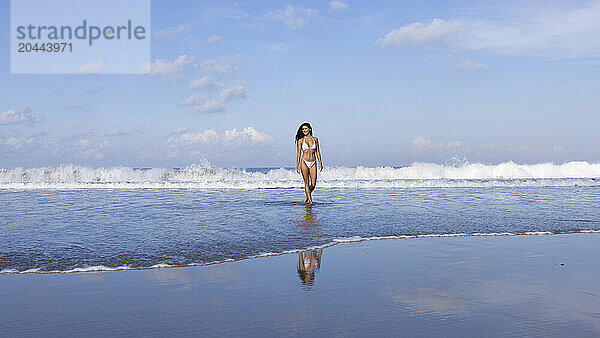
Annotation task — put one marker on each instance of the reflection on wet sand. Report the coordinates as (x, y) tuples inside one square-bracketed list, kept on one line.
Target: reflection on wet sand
[(309, 261), (309, 218)]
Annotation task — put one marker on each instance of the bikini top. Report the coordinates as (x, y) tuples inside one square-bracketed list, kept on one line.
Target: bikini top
[(306, 146)]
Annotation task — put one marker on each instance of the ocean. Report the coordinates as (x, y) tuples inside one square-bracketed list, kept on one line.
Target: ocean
[(73, 218)]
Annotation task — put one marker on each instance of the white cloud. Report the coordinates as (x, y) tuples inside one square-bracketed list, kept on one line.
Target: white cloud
[(88, 147), (420, 143), (233, 91), (204, 104), (338, 5), (210, 106), (169, 69), (85, 145), (193, 99), (549, 31), (471, 65), (92, 67), (229, 138), (169, 32), (245, 136), (209, 136), (19, 142), (220, 65), (213, 38), (293, 17), (26, 144), (437, 32), (205, 83), (453, 145), (546, 30), (175, 69), (80, 146), (21, 115)]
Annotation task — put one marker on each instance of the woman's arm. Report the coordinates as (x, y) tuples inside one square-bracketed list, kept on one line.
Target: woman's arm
[(319, 154), (298, 157)]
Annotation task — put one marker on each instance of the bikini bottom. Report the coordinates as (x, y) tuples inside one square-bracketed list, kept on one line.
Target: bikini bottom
[(309, 164)]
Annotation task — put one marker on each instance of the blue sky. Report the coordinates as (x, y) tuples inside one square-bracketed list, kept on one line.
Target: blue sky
[(382, 82)]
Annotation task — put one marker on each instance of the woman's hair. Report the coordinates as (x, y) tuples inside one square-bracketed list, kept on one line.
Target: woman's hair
[(300, 134), (306, 277)]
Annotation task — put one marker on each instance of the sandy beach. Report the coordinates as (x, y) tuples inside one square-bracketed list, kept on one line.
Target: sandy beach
[(543, 285)]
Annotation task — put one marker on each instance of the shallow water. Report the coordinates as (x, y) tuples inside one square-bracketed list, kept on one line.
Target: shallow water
[(45, 230)]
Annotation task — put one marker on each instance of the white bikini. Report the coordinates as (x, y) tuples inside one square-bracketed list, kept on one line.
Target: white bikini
[(305, 146)]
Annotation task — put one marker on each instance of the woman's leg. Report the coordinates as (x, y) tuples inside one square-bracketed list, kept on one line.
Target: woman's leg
[(301, 262), (305, 174), (313, 175)]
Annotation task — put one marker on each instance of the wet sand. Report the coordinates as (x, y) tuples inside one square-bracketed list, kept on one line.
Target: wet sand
[(545, 285)]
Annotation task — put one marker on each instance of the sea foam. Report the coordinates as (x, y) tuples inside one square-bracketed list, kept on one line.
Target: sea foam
[(205, 177)]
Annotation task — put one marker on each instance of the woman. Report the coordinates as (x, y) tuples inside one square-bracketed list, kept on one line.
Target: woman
[(308, 148)]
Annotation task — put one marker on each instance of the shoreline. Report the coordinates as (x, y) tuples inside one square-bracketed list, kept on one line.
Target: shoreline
[(350, 240), (488, 285)]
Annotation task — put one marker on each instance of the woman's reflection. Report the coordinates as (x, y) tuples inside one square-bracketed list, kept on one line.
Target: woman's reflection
[(309, 219), (309, 262)]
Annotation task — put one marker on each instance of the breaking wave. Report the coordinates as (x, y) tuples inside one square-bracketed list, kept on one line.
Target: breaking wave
[(416, 175)]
